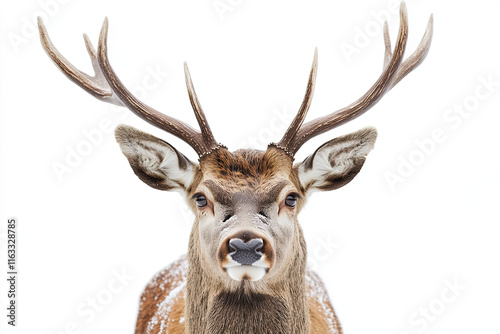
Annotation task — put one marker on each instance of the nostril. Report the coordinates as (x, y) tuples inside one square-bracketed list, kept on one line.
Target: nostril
[(236, 244)]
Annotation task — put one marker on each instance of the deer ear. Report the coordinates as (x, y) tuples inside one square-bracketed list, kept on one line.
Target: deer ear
[(154, 161), (337, 162)]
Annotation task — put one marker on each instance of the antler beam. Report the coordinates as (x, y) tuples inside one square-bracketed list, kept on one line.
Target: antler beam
[(106, 86), (394, 70)]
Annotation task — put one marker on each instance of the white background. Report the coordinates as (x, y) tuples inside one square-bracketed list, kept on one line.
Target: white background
[(387, 254)]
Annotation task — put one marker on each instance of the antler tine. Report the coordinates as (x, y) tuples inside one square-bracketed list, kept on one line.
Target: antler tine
[(301, 115), (394, 70), (93, 58), (206, 132), (418, 56), (387, 43), (94, 85)]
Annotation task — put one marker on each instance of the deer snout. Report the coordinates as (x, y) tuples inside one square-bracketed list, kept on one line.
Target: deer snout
[(246, 256)]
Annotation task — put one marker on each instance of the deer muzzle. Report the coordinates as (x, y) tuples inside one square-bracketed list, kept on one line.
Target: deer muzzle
[(246, 256)]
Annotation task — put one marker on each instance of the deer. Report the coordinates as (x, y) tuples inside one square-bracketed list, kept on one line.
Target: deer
[(245, 270)]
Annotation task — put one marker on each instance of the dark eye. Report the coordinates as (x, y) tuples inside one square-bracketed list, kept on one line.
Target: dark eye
[(201, 201), (291, 200)]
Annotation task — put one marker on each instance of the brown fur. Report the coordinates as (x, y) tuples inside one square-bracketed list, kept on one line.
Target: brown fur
[(245, 168), (158, 290)]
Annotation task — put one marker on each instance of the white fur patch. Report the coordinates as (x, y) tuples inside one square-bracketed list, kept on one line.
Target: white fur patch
[(170, 167), (158, 159), (252, 273), (337, 159), (323, 165)]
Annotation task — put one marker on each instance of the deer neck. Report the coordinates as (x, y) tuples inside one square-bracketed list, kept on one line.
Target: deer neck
[(280, 307)]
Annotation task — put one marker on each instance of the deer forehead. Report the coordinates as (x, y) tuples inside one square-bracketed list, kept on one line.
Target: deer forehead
[(247, 174)]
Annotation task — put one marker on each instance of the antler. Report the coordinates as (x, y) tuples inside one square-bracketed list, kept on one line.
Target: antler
[(394, 70), (106, 86)]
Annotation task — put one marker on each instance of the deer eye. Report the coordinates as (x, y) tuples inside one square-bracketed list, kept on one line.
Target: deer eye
[(201, 201), (291, 200)]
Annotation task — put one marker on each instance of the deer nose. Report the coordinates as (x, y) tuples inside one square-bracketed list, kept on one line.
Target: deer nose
[(246, 253)]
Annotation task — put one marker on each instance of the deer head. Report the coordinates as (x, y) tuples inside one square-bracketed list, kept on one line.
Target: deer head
[(246, 202)]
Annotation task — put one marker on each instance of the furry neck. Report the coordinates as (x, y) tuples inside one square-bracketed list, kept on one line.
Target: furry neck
[(214, 308)]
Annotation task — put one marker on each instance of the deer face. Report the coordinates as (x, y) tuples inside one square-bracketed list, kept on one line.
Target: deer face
[(246, 203)]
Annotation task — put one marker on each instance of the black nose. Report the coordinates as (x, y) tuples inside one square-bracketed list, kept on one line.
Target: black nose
[(246, 253)]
